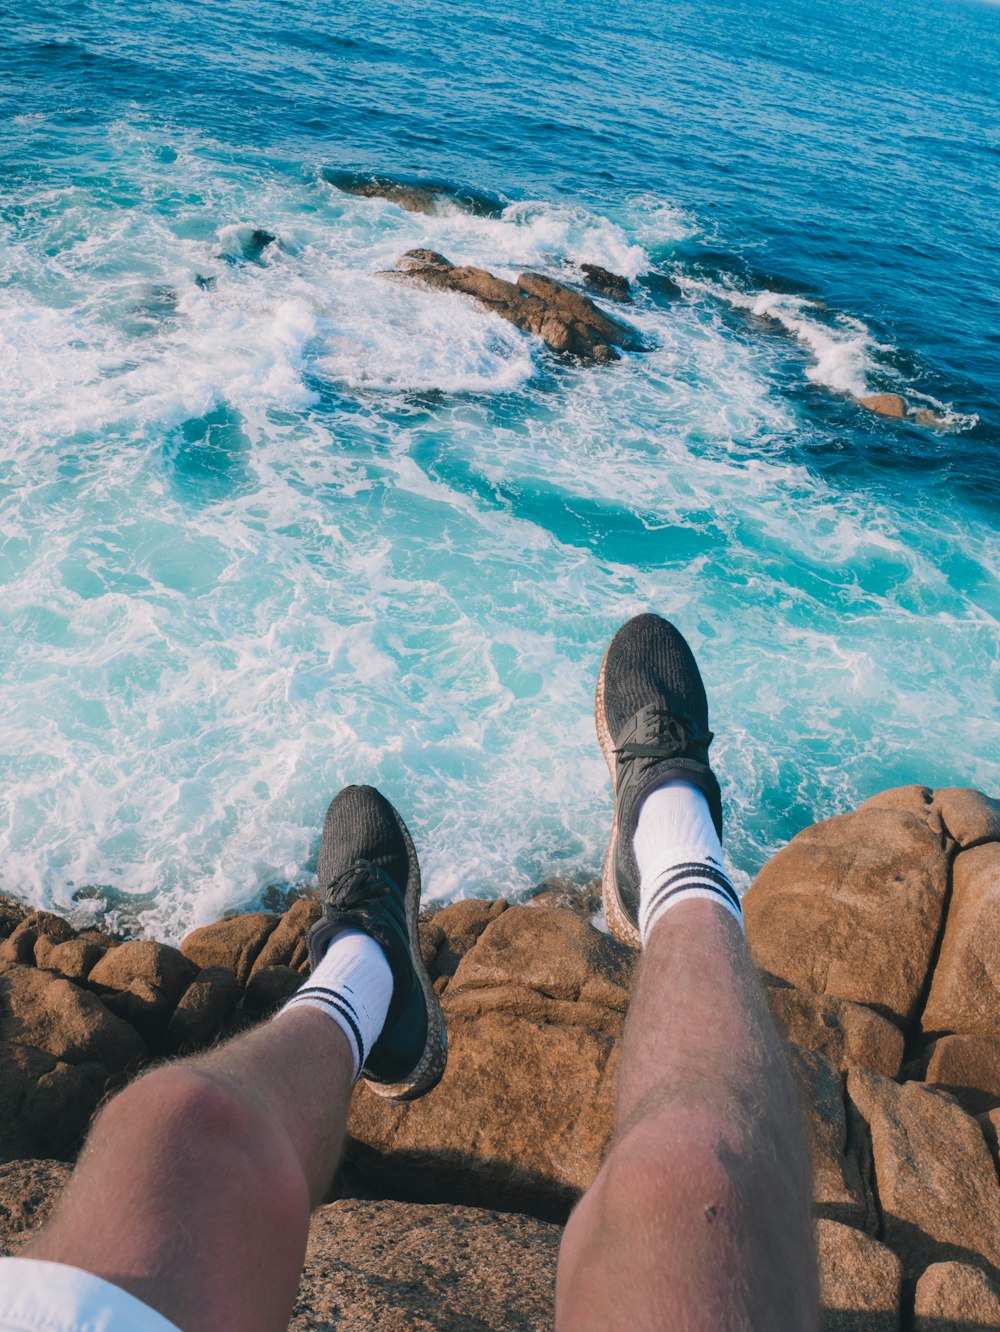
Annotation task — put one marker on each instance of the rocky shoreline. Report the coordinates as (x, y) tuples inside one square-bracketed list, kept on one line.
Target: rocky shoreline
[(877, 934)]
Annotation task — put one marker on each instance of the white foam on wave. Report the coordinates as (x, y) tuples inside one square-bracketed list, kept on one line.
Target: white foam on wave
[(844, 352), (414, 592)]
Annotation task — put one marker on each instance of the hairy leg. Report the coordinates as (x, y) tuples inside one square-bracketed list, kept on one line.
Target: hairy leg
[(700, 1216), (194, 1189)]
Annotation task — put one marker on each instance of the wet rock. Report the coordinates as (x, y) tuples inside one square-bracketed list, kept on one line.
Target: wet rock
[(234, 942), (609, 284), (205, 1010), (848, 1035), (965, 992), (381, 1266), (838, 1147), (270, 987), (563, 895), (969, 1068), (286, 945), (852, 907), (955, 1297), (39, 926), (860, 1281), (45, 1103), (417, 196), (565, 320), (925, 416), (12, 913), (55, 1015), (884, 404), (937, 1185)]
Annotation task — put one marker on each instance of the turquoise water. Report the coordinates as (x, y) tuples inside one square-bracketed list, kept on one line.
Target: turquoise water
[(270, 523)]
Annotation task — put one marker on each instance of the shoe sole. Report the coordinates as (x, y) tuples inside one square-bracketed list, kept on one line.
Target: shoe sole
[(430, 1069), (619, 922)]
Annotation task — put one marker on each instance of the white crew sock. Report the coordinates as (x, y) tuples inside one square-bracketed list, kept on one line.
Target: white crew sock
[(679, 854), (352, 985)]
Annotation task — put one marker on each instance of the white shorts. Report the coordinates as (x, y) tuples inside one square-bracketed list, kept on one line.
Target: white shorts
[(38, 1296)]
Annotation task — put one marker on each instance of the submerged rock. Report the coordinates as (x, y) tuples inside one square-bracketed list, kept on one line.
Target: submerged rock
[(416, 196), (564, 319)]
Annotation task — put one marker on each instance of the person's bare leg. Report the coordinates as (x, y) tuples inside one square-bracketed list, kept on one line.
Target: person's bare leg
[(699, 1219), (194, 1189), (700, 1215)]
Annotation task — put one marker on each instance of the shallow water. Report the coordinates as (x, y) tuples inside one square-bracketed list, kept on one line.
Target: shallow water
[(271, 523)]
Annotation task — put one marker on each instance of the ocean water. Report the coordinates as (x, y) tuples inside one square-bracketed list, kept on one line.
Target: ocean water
[(270, 523)]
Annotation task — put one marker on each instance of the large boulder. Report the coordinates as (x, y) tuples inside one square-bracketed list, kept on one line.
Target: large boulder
[(968, 1067), (205, 1010), (852, 907), (142, 981), (234, 942), (965, 991), (936, 1182), (565, 320), (848, 1035), (286, 945), (884, 404), (52, 1014), (837, 1143), (386, 1266), (45, 1103), (859, 1281), (525, 1110), (956, 1297)]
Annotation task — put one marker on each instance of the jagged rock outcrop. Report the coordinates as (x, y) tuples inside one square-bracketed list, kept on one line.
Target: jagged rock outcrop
[(875, 933), (565, 320)]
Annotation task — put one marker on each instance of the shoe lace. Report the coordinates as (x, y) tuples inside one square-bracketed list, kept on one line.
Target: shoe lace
[(359, 883), (665, 735)]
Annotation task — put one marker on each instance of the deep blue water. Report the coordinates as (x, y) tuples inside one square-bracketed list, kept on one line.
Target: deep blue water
[(271, 523)]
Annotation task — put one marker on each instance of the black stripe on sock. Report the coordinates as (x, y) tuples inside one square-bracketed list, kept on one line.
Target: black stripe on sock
[(699, 869), (661, 897), (343, 1006)]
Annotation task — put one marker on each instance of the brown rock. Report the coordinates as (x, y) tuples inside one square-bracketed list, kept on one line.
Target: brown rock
[(390, 1266), (937, 1185), (20, 946), (521, 1118), (851, 908), (564, 319), (454, 929), (45, 1103), (282, 944), (12, 913), (965, 990), (164, 969), (859, 1281), (968, 816), (553, 952), (74, 959), (848, 1035), (29, 1191), (607, 283), (205, 1010), (414, 198), (884, 404), (269, 987), (563, 895), (840, 1163), (234, 942), (989, 1122), (55, 1015), (969, 1068), (955, 1297), (926, 416)]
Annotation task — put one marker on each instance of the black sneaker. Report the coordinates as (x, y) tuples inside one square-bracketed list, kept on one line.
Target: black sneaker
[(370, 881), (652, 719)]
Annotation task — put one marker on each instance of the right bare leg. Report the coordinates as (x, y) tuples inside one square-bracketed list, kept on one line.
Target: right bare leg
[(700, 1215)]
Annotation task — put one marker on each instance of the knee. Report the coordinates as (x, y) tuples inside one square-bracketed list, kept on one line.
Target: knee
[(660, 1170), (180, 1101)]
